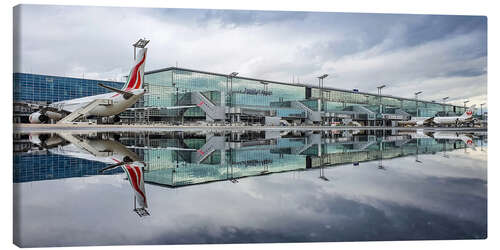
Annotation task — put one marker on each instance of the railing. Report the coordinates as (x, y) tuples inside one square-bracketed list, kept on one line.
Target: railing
[(84, 110)]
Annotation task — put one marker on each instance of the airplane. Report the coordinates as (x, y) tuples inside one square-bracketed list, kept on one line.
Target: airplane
[(109, 104), (101, 150), (416, 121), (465, 118)]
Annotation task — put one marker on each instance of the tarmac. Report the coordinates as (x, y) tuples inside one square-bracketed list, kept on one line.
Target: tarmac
[(48, 128)]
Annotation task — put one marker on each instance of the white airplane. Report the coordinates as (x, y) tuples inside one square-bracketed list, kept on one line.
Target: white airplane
[(108, 104), (456, 120), (416, 121)]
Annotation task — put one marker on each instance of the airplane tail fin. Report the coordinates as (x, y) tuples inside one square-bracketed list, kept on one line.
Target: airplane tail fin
[(469, 111), (135, 174), (135, 78)]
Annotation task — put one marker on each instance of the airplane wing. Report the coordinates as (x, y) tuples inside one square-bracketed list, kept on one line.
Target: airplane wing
[(44, 108), (175, 107), (124, 93)]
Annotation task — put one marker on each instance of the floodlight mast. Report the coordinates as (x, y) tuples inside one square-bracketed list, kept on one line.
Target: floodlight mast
[(265, 85), (140, 44), (379, 92), (230, 76), (482, 104), (444, 101), (416, 99), (320, 86)]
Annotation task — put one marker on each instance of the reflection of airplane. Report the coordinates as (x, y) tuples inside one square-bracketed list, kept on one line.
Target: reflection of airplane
[(135, 174), (465, 118), (46, 141), (447, 135), (109, 104), (106, 151), (418, 134)]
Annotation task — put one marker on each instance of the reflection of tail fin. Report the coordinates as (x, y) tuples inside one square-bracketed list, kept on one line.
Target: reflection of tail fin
[(469, 112), (135, 78), (467, 139), (136, 178)]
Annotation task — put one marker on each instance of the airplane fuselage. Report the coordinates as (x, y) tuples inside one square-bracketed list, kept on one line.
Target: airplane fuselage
[(118, 103), (419, 121), (451, 120)]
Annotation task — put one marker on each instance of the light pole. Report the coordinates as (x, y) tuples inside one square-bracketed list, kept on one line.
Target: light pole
[(482, 110), (416, 99), (140, 44), (465, 103), (320, 86), (233, 74), (379, 91), (444, 101), (230, 76)]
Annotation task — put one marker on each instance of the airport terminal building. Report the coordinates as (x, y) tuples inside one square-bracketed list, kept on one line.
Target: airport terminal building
[(179, 95)]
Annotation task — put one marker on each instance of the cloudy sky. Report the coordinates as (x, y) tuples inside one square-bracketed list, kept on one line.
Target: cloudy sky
[(439, 55), (440, 198)]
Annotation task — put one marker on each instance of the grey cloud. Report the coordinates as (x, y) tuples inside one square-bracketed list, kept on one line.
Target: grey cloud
[(236, 18), (361, 50)]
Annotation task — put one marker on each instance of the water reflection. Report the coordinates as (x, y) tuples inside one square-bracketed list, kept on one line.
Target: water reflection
[(182, 159), (187, 158)]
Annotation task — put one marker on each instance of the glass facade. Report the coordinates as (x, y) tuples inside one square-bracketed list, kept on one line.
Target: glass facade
[(169, 85), (173, 87), (336, 100), (244, 92), (44, 88), (39, 167)]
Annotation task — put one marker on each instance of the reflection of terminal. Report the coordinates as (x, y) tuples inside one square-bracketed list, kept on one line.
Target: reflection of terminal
[(189, 158)]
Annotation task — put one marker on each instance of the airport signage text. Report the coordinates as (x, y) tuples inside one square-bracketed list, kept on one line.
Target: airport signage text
[(254, 92)]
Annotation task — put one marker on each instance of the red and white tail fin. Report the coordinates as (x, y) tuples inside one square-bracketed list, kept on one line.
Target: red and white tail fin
[(136, 178), (469, 111), (135, 78)]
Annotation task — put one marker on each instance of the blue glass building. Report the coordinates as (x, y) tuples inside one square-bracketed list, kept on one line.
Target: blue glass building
[(44, 88), (39, 167)]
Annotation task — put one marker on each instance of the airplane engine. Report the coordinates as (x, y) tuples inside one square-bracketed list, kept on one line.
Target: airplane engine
[(38, 117), (54, 115), (38, 139)]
